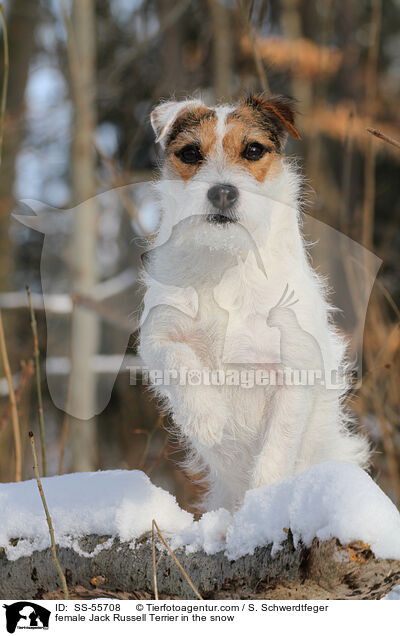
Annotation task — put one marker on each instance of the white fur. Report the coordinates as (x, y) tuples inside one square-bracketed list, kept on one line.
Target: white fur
[(243, 437)]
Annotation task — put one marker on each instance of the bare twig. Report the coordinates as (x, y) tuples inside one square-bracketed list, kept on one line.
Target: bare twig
[(5, 77), (370, 100), (27, 370), (13, 402), (38, 380), (346, 175), (153, 546), (149, 437), (381, 135), (389, 298), (164, 454), (154, 523), (48, 517), (369, 196), (246, 18)]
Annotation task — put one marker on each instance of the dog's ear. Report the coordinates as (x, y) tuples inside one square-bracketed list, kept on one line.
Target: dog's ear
[(164, 115), (278, 110)]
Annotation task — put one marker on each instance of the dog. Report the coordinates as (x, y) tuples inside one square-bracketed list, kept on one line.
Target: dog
[(229, 290)]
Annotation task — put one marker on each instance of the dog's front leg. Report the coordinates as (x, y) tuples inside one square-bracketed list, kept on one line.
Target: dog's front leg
[(289, 414), (167, 344)]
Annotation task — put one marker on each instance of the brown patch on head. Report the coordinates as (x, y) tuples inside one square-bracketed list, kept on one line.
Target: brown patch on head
[(193, 128), (263, 123), (276, 113)]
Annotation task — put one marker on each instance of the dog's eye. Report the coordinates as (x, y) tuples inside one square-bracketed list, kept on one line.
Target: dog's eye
[(190, 154), (254, 151)]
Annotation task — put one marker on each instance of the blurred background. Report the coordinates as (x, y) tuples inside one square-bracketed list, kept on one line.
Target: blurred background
[(79, 80)]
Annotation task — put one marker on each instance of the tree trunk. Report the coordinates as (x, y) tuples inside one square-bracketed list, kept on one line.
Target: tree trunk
[(85, 326), (222, 49), (21, 21)]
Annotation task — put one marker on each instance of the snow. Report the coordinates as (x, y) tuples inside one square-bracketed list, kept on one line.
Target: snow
[(207, 534), (120, 503), (394, 595), (332, 499)]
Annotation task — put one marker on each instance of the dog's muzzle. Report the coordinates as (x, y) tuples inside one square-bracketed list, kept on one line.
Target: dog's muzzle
[(223, 198)]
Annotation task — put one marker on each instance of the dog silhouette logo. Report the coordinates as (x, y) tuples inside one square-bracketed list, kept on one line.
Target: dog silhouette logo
[(26, 615), (104, 303)]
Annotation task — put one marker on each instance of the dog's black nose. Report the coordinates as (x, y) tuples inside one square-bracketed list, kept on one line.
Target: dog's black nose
[(223, 196)]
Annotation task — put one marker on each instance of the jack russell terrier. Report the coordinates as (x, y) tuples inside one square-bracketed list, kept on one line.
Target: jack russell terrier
[(230, 292)]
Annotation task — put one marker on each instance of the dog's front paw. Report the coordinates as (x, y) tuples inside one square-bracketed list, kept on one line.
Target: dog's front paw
[(202, 421)]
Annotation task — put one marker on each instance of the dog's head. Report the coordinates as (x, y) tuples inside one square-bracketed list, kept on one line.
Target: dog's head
[(221, 161)]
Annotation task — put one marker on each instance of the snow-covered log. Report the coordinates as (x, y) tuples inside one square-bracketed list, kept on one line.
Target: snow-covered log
[(327, 533), (326, 570)]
